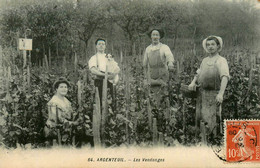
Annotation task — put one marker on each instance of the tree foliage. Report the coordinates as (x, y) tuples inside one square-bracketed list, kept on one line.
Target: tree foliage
[(68, 22), (61, 27)]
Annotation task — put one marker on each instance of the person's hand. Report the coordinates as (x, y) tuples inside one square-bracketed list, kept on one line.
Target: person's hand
[(110, 76), (116, 80), (146, 83), (170, 66), (219, 98), (192, 86), (163, 83)]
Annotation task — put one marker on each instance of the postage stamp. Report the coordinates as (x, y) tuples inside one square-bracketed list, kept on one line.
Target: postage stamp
[(242, 140)]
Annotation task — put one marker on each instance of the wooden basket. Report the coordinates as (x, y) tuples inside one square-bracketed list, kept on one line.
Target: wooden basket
[(188, 93)]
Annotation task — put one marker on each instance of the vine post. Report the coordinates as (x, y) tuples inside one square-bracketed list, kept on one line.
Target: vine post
[(24, 69), (149, 109), (46, 62), (1, 71), (28, 78), (9, 76), (75, 62), (168, 110), (49, 57), (64, 65), (104, 106), (127, 98), (155, 132), (96, 120), (203, 132), (79, 93), (198, 115), (161, 139), (183, 116)]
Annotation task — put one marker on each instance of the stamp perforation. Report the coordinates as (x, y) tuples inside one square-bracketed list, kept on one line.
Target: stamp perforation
[(244, 140)]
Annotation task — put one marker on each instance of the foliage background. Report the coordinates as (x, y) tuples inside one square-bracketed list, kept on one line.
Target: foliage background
[(65, 32)]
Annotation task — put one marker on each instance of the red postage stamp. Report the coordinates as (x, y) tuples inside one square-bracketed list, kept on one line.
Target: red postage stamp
[(242, 140)]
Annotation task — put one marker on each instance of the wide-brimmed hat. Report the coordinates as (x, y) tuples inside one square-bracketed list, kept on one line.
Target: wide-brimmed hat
[(161, 32), (217, 37), (59, 81)]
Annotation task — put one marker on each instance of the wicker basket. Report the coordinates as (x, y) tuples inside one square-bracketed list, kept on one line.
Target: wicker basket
[(188, 93)]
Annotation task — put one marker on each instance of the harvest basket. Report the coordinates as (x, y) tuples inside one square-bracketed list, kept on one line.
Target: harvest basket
[(188, 93)]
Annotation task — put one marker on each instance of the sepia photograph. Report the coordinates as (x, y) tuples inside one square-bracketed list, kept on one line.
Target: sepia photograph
[(129, 83)]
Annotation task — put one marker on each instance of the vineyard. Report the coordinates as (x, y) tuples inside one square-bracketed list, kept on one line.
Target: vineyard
[(24, 110), (27, 78)]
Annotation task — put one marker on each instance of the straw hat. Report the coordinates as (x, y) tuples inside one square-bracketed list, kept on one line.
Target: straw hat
[(217, 37)]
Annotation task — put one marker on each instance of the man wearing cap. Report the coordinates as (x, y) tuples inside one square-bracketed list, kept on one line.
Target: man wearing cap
[(97, 65), (212, 78), (158, 60)]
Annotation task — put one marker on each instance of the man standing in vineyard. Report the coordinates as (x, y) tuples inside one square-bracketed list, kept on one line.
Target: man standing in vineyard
[(97, 65), (212, 78), (158, 60)]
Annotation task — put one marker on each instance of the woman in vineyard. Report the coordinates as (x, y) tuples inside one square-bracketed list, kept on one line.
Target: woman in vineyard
[(59, 120), (97, 65), (158, 60), (212, 78)]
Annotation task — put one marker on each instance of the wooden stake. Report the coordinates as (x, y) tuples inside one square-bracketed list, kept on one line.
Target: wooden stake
[(57, 49), (220, 118), (198, 114), (161, 139), (183, 116), (17, 40), (127, 98), (8, 80), (178, 67), (149, 111), (203, 132), (104, 106), (85, 78), (254, 60), (49, 57), (168, 110), (43, 62), (24, 58), (24, 69), (75, 62), (112, 48), (28, 78), (46, 62), (115, 97), (121, 56), (79, 93), (155, 132), (64, 65), (2, 73), (96, 120), (30, 59), (250, 74)]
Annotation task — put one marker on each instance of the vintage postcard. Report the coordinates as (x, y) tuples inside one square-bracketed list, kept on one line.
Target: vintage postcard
[(129, 83)]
